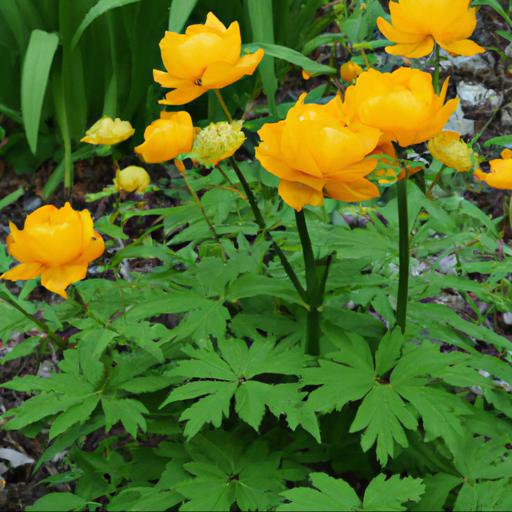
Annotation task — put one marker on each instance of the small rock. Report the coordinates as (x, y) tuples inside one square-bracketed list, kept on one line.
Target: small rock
[(459, 123), (473, 66), (477, 97), (506, 116), (31, 203), (507, 318), (14, 457), (448, 265)]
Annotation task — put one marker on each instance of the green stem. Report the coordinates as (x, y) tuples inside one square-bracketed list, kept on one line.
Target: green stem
[(60, 342), (196, 199), (510, 211), (403, 243), (261, 223), (223, 105), (436, 69), (313, 287), (436, 179)]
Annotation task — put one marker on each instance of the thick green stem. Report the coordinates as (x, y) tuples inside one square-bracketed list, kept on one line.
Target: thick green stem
[(313, 287), (403, 279), (436, 69), (55, 338), (261, 223)]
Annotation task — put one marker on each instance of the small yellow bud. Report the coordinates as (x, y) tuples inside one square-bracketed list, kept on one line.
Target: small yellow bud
[(350, 71), (108, 131), (132, 179), (305, 75), (448, 148), (217, 142)]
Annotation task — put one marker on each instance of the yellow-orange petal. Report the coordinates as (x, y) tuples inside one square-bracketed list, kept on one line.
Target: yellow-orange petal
[(57, 279), (412, 50), (93, 249), (23, 272), (298, 195), (221, 74), (184, 94), (464, 47), (396, 35), (352, 192)]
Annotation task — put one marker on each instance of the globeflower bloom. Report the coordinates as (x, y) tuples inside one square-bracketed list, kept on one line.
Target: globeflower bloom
[(314, 153), (350, 71), (402, 104), (205, 57), (217, 142), (108, 131), (500, 176), (417, 24), (167, 137), (55, 243), (132, 179), (452, 151)]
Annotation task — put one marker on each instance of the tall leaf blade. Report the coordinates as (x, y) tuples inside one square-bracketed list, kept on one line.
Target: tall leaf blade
[(262, 24), (34, 81), (100, 8), (179, 13)]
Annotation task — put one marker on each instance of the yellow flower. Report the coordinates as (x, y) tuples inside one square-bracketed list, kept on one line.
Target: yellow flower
[(448, 148), (501, 172), (417, 24), (205, 57), (217, 142), (313, 152), (132, 179), (56, 244), (305, 75), (108, 131), (402, 104), (167, 137), (350, 71)]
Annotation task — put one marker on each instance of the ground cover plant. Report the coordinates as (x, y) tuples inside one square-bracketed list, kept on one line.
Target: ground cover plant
[(266, 262)]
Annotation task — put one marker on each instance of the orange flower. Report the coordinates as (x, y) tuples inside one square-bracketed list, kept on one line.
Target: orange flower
[(205, 57), (417, 24), (350, 71), (56, 244), (313, 152), (500, 176), (402, 104), (167, 137)]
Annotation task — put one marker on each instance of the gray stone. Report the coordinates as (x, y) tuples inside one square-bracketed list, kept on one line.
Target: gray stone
[(477, 97), (458, 123), (474, 65), (506, 116)]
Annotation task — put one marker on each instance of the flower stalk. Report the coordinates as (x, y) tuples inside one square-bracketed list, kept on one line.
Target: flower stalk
[(403, 245), (262, 225), (314, 287), (437, 59)]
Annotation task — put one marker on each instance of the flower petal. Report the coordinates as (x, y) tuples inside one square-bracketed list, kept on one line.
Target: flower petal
[(355, 191), (298, 195), (412, 50), (23, 272), (221, 74), (183, 95), (464, 47), (57, 279)]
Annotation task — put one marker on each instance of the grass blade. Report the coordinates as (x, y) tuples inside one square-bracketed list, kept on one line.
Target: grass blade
[(262, 25), (179, 13), (10, 198), (100, 8), (34, 81)]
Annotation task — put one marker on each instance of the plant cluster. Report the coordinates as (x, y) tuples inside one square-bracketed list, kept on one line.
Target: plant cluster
[(289, 351)]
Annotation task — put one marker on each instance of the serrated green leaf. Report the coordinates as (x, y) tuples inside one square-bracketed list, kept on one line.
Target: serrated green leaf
[(77, 413), (127, 411), (391, 494)]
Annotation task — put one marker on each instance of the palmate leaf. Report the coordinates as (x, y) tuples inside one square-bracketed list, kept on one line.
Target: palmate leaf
[(230, 375), (225, 470), (383, 415), (336, 495)]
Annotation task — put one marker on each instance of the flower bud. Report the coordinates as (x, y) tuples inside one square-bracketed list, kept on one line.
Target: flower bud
[(132, 179), (108, 131)]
